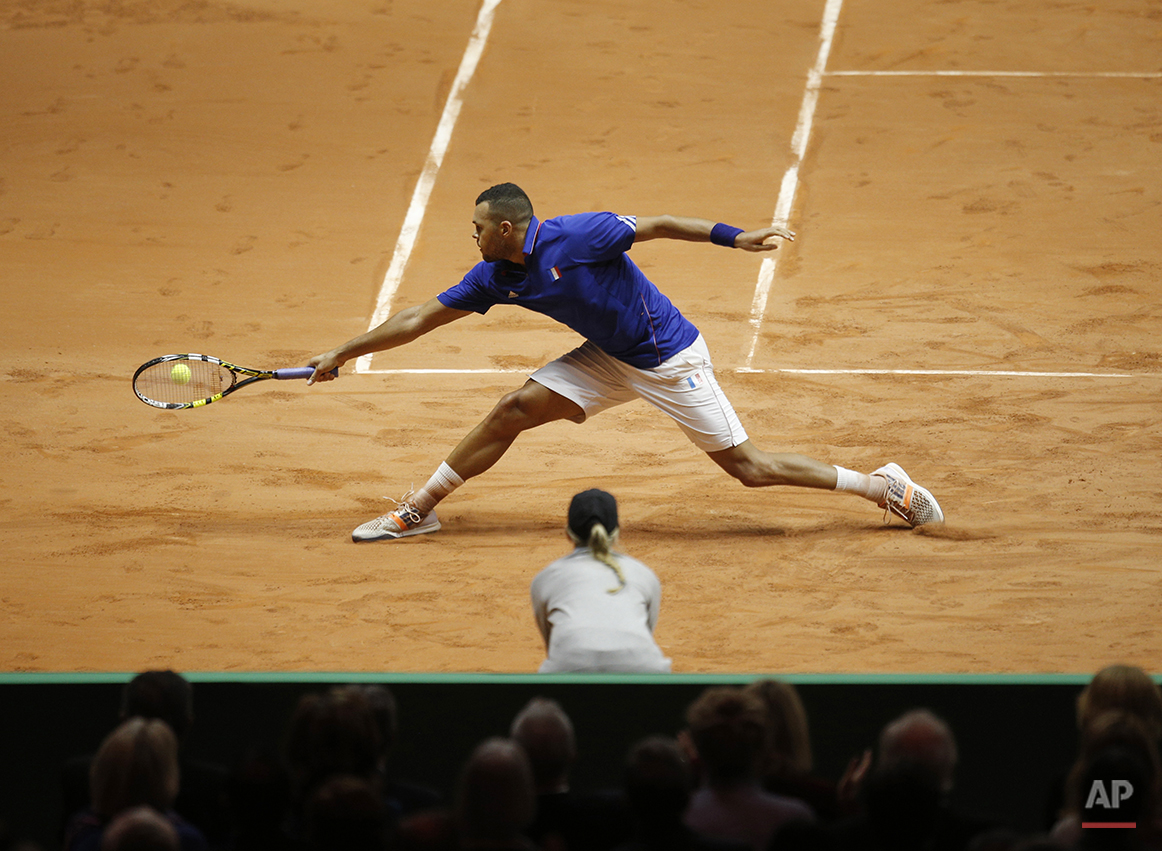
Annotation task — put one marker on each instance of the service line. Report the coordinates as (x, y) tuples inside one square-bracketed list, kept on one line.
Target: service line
[(933, 373), (1147, 75)]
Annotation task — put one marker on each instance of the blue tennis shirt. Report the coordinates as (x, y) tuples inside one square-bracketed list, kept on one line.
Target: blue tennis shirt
[(577, 272)]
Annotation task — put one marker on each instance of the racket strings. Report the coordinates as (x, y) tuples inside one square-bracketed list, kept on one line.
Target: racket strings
[(167, 381)]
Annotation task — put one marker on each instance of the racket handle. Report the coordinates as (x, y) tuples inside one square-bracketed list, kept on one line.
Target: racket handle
[(298, 372)]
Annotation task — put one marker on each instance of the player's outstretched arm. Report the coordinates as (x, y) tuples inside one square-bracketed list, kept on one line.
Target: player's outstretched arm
[(704, 230), (401, 328)]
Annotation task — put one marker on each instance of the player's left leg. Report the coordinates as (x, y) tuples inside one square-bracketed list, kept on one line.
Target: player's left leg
[(758, 469), (888, 487), (685, 388)]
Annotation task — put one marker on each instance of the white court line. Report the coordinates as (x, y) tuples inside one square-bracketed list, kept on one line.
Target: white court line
[(949, 372), (1082, 74), (790, 182), (428, 371), (423, 191), (974, 373)]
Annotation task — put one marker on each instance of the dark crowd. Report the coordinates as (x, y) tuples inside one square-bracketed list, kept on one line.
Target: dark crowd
[(738, 777)]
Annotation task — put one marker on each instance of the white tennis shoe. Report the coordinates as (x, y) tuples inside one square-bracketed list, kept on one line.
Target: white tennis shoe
[(403, 522), (907, 499)]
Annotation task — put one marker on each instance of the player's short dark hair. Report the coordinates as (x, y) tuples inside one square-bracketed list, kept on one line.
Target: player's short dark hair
[(507, 202)]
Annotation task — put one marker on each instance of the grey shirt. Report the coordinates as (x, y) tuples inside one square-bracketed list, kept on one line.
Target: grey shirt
[(587, 629)]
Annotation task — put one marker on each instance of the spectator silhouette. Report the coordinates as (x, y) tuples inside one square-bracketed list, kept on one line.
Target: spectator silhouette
[(904, 802), (136, 765), (346, 813), (259, 795), (329, 733), (788, 762), (1116, 746), (140, 829), (169, 697), (496, 798), (727, 726), (401, 797), (920, 745), (658, 785), (1122, 688), (545, 733), (582, 821), (1115, 688)]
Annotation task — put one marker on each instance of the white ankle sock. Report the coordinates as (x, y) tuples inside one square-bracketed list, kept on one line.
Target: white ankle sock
[(442, 483), (874, 488)]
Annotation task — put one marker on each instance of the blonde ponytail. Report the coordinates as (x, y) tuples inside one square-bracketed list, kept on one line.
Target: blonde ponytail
[(599, 544)]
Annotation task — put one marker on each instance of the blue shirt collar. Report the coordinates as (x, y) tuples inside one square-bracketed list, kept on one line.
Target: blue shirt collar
[(531, 235)]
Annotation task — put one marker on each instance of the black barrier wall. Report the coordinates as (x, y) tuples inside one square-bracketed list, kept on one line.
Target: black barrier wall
[(1016, 738)]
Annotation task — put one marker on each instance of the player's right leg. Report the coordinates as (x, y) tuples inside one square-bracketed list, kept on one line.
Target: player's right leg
[(530, 406)]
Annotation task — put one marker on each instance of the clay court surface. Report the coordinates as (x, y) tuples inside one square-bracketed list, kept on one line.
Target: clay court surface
[(978, 209)]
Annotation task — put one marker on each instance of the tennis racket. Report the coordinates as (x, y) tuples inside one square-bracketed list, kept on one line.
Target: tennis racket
[(191, 381)]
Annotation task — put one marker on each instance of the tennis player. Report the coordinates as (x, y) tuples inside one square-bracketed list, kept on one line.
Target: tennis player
[(638, 345)]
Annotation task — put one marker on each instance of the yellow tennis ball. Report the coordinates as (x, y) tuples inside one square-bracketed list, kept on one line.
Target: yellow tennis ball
[(180, 374)]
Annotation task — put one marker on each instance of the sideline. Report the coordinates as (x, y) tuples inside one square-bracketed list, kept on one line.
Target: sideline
[(423, 191), (790, 184)]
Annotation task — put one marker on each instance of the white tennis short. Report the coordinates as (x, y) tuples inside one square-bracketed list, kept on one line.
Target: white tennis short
[(683, 387)]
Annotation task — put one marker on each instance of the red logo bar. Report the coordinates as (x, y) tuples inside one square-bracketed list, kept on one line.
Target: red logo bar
[(1122, 824)]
